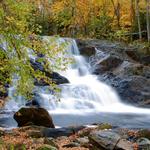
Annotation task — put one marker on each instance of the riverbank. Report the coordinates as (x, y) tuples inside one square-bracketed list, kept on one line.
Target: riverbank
[(95, 137)]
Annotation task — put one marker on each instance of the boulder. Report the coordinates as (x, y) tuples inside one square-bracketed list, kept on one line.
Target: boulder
[(109, 140), (143, 143), (139, 55), (87, 51), (33, 116), (145, 60), (133, 54), (56, 77), (130, 69), (133, 91), (108, 63), (104, 139)]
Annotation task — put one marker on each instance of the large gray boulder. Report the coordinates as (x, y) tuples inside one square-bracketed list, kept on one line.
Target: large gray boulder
[(109, 140), (143, 143)]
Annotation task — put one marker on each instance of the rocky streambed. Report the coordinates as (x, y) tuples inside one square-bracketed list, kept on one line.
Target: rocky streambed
[(126, 68), (39, 133)]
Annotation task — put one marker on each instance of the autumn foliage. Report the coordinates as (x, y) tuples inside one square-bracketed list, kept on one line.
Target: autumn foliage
[(95, 18)]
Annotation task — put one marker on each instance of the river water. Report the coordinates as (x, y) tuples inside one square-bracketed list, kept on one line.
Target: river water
[(85, 100)]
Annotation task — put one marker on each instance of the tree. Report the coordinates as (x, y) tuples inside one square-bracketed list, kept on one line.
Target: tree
[(117, 11), (148, 19), (17, 29), (138, 18)]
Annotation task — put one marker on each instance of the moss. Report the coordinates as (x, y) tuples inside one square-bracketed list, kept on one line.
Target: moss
[(47, 147), (104, 126), (15, 147)]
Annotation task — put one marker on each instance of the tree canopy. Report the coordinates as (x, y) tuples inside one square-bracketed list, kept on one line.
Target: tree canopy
[(24, 22), (20, 37)]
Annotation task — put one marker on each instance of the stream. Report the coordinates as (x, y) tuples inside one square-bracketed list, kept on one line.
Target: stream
[(85, 100)]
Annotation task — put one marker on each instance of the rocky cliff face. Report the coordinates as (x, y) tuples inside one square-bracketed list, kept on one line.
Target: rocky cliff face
[(125, 68)]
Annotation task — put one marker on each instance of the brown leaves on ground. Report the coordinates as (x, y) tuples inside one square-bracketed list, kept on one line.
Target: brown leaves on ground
[(21, 137)]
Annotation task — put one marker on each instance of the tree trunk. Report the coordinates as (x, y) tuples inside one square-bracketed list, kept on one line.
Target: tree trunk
[(148, 19), (117, 12), (132, 12), (138, 18)]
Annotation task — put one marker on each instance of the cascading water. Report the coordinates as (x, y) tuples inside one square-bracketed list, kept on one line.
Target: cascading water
[(86, 99), (85, 93)]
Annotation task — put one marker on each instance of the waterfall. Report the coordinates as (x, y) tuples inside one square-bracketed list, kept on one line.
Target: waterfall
[(85, 93)]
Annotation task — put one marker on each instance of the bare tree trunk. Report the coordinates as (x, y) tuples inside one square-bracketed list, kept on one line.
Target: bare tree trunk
[(138, 18), (117, 12), (148, 19), (132, 12), (132, 15), (73, 4)]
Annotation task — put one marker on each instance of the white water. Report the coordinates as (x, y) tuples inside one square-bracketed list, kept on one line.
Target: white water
[(85, 93)]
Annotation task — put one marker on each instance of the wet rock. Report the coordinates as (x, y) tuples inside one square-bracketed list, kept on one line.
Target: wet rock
[(56, 77), (33, 116), (33, 102), (130, 69), (145, 60), (143, 143), (40, 82), (132, 89), (133, 54), (40, 131), (109, 140), (58, 132), (139, 56), (108, 63), (104, 139), (87, 51)]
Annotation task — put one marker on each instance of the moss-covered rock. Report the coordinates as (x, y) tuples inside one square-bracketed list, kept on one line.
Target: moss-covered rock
[(46, 147), (104, 126)]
